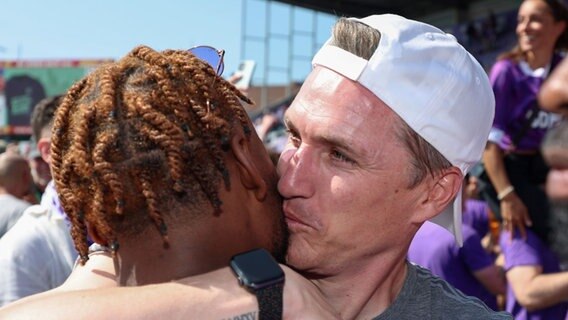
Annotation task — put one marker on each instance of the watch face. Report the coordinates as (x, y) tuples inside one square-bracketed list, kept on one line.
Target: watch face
[(257, 269)]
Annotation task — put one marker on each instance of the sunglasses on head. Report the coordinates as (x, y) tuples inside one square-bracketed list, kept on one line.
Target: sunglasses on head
[(210, 55)]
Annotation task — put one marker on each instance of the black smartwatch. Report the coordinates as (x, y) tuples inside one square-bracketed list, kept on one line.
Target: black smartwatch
[(260, 274)]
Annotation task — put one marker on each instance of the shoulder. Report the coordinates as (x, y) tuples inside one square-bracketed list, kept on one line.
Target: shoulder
[(445, 299), (503, 65), (425, 296), (502, 72), (13, 202), (28, 231)]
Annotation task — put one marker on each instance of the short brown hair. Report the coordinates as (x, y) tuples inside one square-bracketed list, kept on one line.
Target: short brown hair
[(42, 116), (362, 40)]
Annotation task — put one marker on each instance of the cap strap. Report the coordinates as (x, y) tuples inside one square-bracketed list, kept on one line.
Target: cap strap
[(340, 61)]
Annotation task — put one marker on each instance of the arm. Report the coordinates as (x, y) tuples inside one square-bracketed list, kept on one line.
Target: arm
[(535, 290), (214, 295), (513, 210), (481, 263), (492, 278), (554, 94)]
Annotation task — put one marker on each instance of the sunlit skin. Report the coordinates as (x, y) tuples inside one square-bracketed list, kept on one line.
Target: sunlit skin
[(537, 31), (553, 95), (344, 179)]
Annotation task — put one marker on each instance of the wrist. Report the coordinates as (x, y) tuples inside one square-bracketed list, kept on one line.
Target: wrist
[(260, 274), (506, 192)]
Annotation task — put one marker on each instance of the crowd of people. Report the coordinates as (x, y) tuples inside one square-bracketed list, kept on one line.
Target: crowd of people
[(447, 203)]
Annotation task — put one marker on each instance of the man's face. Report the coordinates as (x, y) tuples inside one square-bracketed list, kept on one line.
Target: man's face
[(252, 207), (344, 177), (270, 222), (40, 172)]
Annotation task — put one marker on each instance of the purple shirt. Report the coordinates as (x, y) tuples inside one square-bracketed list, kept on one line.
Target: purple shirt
[(476, 215), (434, 248), (532, 252), (515, 93)]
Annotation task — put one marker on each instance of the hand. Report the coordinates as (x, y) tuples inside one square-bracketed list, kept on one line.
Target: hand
[(303, 300), (234, 79), (515, 215)]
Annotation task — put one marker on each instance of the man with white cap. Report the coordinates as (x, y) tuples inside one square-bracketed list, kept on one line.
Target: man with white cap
[(393, 115)]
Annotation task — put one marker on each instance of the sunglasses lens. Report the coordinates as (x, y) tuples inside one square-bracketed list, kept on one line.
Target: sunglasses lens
[(209, 55)]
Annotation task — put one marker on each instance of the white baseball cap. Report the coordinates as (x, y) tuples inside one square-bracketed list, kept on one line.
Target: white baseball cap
[(426, 77)]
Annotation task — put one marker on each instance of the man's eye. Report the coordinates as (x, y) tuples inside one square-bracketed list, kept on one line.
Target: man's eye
[(339, 156), (292, 137)]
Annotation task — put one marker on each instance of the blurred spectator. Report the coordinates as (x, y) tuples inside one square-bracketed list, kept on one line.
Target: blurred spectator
[(555, 152), (512, 159), (554, 97), (12, 148), (473, 37), (479, 215), (15, 183), (41, 173), (554, 94), (537, 289), (489, 31), (37, 254), (470, 268)]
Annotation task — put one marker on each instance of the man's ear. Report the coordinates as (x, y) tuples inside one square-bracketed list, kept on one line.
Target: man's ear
[(249, 175), (441, 192), (44, 147)]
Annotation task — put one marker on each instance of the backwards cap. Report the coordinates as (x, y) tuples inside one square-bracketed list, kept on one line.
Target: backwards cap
[(426, 77)]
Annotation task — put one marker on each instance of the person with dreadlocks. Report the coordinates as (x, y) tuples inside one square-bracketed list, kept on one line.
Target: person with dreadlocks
[(153, 157), (156, 148)]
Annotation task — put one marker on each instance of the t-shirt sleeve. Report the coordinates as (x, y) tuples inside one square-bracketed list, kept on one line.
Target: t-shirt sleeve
[(501, 82), (473, 254), (520, 252)]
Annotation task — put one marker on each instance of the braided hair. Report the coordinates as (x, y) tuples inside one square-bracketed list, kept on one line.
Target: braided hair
[(137, 134)]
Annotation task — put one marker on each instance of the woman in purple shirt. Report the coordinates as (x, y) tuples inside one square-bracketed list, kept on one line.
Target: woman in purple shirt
[(512, 158), (536, 287)]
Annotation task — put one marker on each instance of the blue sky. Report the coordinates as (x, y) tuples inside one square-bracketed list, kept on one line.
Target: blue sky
[(66, 29)]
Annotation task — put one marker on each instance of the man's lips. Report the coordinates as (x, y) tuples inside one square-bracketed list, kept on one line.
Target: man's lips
[(293, 221)]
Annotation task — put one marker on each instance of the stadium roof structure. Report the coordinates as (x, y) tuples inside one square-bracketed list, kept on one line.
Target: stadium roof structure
[(413, 9)]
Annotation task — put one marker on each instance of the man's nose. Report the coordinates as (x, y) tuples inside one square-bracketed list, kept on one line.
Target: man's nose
[(297, 172)]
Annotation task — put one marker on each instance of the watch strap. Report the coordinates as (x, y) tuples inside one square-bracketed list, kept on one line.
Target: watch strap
[(270, 302)]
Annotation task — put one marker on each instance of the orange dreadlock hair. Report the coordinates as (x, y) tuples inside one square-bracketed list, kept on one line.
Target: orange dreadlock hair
[(137, 133)]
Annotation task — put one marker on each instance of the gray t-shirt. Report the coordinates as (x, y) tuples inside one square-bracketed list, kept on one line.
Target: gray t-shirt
[(427, 297)]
